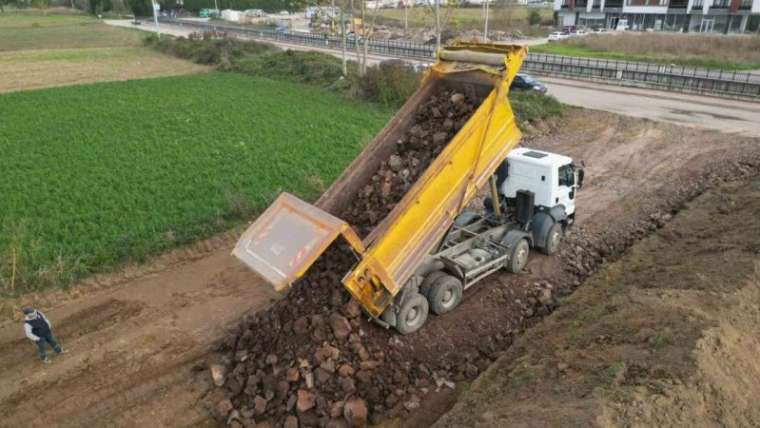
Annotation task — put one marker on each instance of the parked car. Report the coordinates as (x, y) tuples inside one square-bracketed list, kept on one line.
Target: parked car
[(526, 82), (558, 36), (580, 33)]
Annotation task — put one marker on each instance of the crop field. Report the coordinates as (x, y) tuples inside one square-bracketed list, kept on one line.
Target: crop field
[(97, 175), (712, 51), (38, 51)]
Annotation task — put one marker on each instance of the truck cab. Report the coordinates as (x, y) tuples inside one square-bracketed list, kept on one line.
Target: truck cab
[(552, 178)]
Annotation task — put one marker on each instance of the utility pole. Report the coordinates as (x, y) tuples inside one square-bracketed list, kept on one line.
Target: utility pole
[(343, 48), (406, 16), (155, 17), (437, 24), (485, 29)]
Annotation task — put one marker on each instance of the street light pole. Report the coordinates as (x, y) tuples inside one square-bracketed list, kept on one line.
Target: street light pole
[(155, 17), (485, 29)]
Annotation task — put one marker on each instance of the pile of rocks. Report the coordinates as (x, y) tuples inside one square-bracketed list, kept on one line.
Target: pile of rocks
[(436, 122), (310, 360)]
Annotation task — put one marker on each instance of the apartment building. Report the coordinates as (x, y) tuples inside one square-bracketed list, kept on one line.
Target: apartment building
[(707, 16)]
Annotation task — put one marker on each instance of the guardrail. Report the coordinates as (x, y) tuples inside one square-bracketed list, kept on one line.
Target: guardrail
[(668, 77)]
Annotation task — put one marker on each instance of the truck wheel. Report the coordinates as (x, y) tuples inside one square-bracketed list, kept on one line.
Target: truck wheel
[(445, 295), (519, 256), (430, 281), (413, 314), (553, 239)]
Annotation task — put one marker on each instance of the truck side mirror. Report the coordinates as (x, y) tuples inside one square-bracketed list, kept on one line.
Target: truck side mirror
[(579, 179)]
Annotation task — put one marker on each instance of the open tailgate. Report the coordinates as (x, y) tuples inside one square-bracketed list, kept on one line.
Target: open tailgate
[(288, 238)]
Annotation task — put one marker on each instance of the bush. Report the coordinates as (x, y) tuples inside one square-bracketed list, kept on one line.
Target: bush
[(531, 105), (390, 83), (314, 68), (534, 18)]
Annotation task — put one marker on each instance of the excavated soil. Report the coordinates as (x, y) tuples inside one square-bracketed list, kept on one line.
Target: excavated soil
[(151, 367), (313, 360)]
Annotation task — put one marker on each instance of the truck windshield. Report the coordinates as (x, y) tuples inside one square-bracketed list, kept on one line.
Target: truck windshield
[(566, 176)]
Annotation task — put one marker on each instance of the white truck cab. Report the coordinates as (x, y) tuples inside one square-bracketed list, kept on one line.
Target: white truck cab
[(551, 177)]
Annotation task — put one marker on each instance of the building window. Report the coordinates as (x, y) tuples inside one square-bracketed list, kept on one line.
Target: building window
[(746, 4), (721, 4), (697, 4)]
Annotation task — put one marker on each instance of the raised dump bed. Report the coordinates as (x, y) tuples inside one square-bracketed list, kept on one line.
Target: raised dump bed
[(395, 202)]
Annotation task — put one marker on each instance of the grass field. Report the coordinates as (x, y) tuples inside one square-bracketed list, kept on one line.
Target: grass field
[(96, 175), (721, 52), (38, 51)]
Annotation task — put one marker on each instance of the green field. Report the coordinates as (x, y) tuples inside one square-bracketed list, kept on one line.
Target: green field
[(97, 175)]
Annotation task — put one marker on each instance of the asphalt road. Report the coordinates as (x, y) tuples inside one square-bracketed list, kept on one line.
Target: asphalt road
[(730, 116)]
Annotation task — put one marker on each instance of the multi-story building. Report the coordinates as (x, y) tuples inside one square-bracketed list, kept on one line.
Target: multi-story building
[(719, 16)]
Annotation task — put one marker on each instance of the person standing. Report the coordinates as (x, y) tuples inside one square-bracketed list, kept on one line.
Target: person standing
[(38, 330)]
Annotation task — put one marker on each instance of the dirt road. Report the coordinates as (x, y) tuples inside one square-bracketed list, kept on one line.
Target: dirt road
[(133, 344), (131, 347)]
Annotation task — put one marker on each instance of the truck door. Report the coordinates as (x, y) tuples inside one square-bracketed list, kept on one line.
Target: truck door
[(566, 188)]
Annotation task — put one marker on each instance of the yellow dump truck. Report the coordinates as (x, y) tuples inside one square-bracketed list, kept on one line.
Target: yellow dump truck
[(430, 248)]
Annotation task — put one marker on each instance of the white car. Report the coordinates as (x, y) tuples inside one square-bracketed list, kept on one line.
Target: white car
[(558, 36), (580, 33)]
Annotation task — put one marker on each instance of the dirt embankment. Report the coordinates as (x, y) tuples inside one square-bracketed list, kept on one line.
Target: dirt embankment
[(666, 336), (138, 346)]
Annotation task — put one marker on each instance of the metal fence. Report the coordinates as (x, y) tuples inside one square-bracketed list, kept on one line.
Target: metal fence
[(389, 48), (668, 77)]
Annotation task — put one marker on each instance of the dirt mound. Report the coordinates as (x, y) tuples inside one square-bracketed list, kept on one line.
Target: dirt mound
[(310, 360)]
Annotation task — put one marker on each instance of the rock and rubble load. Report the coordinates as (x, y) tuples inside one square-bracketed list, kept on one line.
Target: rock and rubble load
[(436, 122), (309, 359)]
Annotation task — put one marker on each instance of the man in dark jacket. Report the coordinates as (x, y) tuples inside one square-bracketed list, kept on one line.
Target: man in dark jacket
[(38, 330)]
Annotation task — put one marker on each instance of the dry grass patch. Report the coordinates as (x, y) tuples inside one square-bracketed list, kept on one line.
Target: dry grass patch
[(39, 51), (35, 69), (712, 51)]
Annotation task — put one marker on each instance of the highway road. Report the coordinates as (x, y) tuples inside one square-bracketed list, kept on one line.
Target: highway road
[(730, 116)]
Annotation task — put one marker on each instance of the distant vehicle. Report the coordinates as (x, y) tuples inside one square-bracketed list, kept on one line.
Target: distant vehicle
[(579, 33), (600, 30), (622, 25), (526, 82), (558, 36)]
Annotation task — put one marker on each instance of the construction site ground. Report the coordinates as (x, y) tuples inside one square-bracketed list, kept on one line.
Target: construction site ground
[(666, 336), (139, 341)]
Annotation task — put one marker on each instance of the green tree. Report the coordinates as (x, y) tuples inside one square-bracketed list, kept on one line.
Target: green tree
[(140, 7), (534, 18)]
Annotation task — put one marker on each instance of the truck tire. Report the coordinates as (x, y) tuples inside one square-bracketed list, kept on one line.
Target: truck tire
[(430, 281), (445, 294), (518, 258), (413, 314), (553, 239)]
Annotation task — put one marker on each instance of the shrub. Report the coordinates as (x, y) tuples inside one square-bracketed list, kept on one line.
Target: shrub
[(390, 83), (531, 105), (314, 68), (534, 18)]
